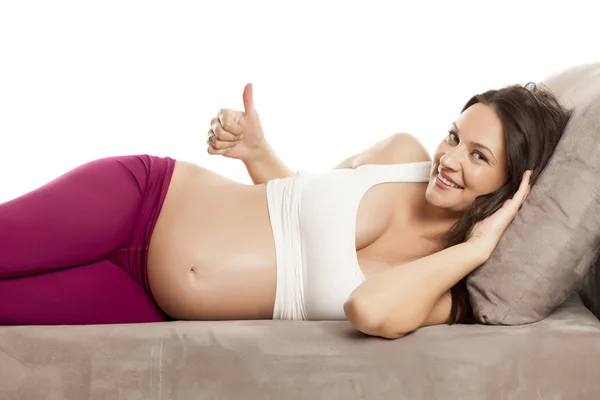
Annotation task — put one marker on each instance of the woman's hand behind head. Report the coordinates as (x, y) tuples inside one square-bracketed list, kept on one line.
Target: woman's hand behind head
[(487, 233)]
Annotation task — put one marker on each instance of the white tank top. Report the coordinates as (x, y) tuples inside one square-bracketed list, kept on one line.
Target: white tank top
[(313, 217)]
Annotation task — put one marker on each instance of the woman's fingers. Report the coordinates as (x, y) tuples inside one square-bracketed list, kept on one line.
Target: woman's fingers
[(525, 187), (216, 147), (220, 133), (229, 120), (218, 144), (523, 191), (224, 133), (212, 151)]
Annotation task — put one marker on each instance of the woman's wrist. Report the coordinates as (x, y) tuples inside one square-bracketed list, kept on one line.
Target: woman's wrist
[(481, 248), (262, 153), (264, 164)]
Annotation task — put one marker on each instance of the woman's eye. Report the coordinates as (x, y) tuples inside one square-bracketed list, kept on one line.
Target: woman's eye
[(481, 156)]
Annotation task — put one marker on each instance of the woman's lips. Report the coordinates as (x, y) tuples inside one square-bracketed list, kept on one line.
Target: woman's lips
[(443, 186)]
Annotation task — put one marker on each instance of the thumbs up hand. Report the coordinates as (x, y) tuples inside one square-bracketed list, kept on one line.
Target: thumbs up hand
[(236, 134)]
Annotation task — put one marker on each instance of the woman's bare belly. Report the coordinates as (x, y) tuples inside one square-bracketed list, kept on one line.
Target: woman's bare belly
[(212, 253)]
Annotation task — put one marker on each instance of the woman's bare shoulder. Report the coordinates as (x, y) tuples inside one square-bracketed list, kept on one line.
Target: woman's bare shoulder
[(398, 148)]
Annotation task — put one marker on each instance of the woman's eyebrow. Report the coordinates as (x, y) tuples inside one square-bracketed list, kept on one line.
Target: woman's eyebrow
[(476, 144)]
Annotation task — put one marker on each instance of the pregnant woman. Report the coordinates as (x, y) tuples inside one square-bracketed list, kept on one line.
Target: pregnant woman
[(384, 240)]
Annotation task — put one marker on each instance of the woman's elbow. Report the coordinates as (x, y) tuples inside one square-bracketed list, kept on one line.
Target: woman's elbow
[(366, 320), (360, 318)]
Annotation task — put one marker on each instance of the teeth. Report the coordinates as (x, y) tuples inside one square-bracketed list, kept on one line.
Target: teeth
[(447, 182)]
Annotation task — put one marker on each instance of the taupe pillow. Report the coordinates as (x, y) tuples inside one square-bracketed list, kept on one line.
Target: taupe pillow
[(549, 247)]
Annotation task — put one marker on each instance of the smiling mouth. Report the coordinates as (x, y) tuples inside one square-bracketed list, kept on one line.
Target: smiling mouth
[(440, 181)]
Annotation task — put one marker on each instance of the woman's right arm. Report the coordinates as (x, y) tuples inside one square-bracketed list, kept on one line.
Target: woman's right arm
[(239, 135)]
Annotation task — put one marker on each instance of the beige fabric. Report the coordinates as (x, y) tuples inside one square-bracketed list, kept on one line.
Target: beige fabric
[(571, 87), (590, 289), (549, 247), (557, 358)]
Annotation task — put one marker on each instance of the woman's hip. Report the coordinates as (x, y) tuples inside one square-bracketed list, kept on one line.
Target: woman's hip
[(152, 175)]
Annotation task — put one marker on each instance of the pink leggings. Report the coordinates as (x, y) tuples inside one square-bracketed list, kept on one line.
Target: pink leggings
[(74, 251)]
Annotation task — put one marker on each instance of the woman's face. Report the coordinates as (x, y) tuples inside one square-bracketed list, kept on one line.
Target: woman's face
[(477, 169)]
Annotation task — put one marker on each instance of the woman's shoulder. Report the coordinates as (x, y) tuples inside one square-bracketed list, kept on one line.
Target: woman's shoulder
[(398, 148)]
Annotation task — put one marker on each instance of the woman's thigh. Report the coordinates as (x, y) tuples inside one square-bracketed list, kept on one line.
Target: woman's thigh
[(77, 218), (97, 293)]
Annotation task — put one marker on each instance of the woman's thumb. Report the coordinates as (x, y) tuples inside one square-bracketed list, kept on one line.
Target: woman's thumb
[(248, 99)]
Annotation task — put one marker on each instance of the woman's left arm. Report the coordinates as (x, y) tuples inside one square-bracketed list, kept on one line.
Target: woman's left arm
[(400, 299)]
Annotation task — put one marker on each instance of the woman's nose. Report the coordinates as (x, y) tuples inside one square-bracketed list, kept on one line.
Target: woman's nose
[(450, 160)]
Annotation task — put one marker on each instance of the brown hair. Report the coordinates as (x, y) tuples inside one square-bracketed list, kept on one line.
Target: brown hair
[(533, 121)]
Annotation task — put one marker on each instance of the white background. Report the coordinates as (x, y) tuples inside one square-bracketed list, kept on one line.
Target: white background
[(81, 80)]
